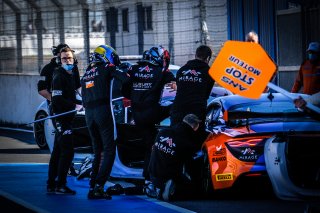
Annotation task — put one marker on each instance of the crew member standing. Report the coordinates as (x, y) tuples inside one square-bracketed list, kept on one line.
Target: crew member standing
[(44, 86), (194, 85), (309, 72), (147, 80), (63, 100), (97, 99)]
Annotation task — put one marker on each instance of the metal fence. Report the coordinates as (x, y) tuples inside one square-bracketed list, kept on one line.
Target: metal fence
[(29, 28)]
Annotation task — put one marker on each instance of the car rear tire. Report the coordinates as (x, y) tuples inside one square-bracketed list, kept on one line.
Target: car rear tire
[(206, 181), (39, 132)]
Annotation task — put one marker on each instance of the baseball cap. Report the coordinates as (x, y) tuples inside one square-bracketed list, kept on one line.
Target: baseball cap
[(191, 119), (314, 46)]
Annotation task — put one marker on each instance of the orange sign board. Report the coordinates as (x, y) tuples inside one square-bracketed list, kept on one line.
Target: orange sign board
[(244, 68)]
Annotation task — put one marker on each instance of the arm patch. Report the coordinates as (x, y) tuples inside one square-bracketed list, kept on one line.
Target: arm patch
[(56, 92)]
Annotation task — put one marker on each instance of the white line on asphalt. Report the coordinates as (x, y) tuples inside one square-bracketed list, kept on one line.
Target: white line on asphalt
[(16, 129), (165, 204), (22, 202)]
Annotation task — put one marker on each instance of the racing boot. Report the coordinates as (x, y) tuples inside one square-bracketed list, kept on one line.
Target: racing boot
[(151, 191), (169, 190), (51, 187), (98, 193), (116, 189), (64, 190)]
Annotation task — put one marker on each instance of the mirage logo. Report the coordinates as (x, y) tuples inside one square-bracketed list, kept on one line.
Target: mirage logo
[(192, 72), (168, 141), (165, 145), (248, 151), (144, 73), (146, 69), (190, 76), (248, 154)]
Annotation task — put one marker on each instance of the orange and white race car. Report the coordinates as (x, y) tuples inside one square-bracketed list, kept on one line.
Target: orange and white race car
[(239, 130)]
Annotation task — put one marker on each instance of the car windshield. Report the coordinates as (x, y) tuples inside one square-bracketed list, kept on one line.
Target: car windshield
[(262, 112), (265, 107)]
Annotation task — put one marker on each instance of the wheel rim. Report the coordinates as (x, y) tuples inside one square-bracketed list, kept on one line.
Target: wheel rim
[(39, 132)]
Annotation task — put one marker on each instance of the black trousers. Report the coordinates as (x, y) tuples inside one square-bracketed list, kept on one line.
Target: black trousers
[(62, 154), (145, 120), (101, 128)]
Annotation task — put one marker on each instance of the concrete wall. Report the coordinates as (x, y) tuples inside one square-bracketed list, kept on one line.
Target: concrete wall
[(287, 76), (19, 98)]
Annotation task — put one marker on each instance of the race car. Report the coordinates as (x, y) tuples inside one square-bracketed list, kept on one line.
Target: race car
[(130, 147), (240, 128)]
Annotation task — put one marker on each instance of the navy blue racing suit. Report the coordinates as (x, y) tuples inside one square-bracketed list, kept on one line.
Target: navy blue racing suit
[(146, 84), (97, 99), (173, 147)]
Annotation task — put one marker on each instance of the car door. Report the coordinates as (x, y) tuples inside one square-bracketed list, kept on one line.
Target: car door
[(130, 147), (292, 160)]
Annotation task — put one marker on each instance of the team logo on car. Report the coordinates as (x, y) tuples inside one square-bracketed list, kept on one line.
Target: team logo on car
[(248, 154), (219, 151), (248, 151)]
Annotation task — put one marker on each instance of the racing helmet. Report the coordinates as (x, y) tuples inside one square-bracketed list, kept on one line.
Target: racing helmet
[(166, 60), (105, 54), (145, 57), (157, 56)]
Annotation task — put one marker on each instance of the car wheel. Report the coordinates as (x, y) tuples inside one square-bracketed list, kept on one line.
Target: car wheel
[(39, 132), (206, 181)]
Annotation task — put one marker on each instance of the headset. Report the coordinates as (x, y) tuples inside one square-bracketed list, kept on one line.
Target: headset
[(56, 49), (208, 58)]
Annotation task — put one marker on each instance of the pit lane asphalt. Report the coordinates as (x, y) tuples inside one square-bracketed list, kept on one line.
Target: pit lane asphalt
[(23, 172)]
